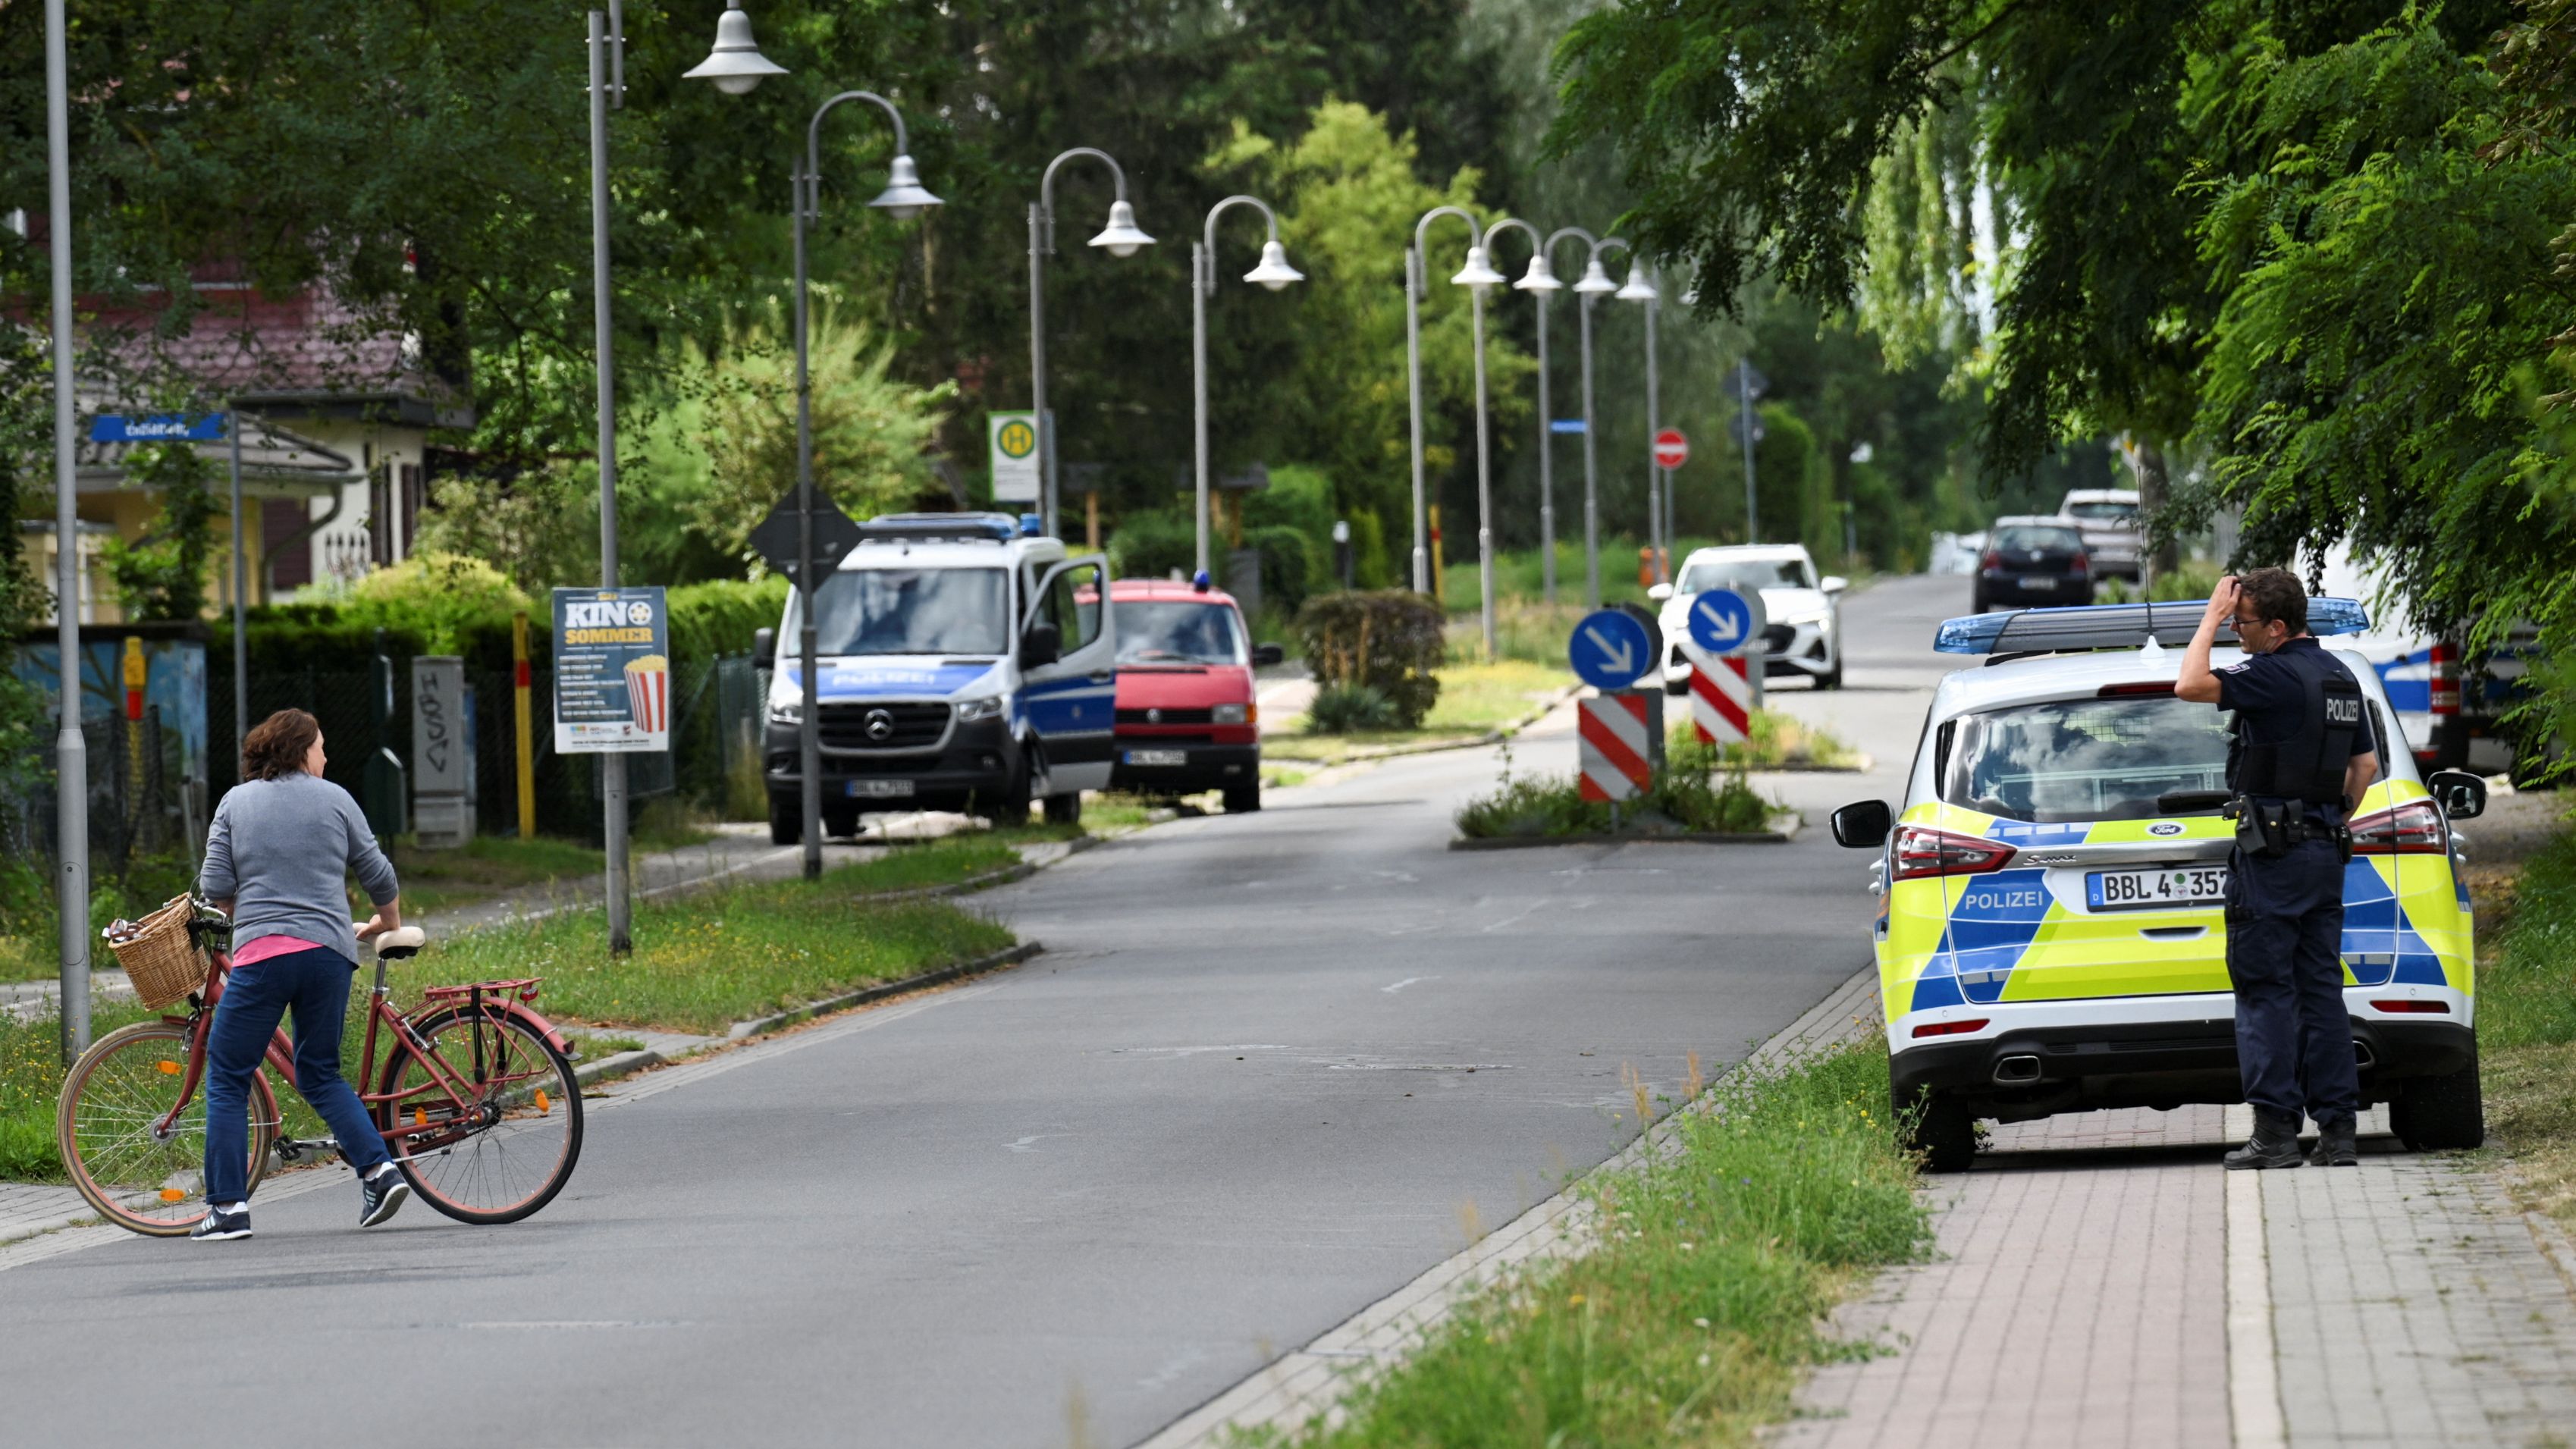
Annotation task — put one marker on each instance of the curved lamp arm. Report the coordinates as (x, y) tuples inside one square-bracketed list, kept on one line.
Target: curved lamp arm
[(814, 129), (1606, 243), (1269, 217), (1562, 232), (1475, 233), (1046, 185), (1538, 246)]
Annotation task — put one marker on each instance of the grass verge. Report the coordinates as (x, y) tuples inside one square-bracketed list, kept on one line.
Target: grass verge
[(1780, 742), (1475, 700), (2527, 1027), (944, 861), (483, 868), (1695, 791), (1697, 1311)]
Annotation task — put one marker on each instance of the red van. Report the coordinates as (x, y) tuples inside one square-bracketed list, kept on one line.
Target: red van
[(1187, 720)]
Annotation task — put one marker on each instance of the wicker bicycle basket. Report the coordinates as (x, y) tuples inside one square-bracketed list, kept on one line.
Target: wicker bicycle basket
[(160, 958)]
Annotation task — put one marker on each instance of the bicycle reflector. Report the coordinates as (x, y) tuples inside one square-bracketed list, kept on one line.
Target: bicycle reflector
[(1923, 851)]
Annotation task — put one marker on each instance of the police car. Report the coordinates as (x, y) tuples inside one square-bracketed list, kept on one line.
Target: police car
[(962, 663), (2050, 935)]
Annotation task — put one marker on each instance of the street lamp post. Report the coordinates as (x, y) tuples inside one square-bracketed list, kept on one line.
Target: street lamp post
[(1273, 273), (1639, 288), (1120, 238), (903, 199), (1539, 280), (1478, 277), (1595, 283), (71, 752)]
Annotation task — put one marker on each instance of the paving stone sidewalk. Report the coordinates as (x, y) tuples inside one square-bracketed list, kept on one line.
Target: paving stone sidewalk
[(2081, 1295)]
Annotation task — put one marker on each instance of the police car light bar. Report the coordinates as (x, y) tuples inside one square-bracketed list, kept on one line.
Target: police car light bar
[(2116, 626), (926, 527)]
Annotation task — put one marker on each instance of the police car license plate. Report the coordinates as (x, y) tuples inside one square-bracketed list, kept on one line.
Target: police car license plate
[(881, 789), (1158, 757), (2128, 890)]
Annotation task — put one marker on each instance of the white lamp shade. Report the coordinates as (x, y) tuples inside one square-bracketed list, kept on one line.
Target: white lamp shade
[(1120, 238), (1596, 282), (1274, 271), (904, 197), (736, 64), (1638, 289), (1540, 279), (1479, 272)]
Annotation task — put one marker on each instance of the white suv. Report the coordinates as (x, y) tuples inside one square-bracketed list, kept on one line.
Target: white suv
[(1803, 633)]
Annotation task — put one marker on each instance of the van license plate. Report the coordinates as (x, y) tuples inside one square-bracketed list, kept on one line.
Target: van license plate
[(2129, 890), (881, 789), (1158, 757)]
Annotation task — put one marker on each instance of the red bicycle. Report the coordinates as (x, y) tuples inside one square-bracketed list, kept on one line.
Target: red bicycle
[(476, 1100)]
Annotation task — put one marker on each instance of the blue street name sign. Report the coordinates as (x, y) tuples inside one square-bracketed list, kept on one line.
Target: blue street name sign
[(164, 428), (1721, 621), (1610, 649), (1565, 425)]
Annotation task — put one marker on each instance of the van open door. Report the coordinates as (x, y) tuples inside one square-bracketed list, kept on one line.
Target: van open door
[(1072, 696)]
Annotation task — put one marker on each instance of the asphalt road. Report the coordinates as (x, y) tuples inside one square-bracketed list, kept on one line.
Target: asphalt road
[(1271, 1067)]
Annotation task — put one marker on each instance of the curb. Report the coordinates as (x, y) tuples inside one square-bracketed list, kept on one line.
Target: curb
[(1490, 737), (1009, 956)]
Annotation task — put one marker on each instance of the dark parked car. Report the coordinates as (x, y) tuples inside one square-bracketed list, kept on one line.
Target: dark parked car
[(2033, 561)]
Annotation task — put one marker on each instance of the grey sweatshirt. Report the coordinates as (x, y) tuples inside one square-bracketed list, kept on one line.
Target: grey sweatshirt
[(282, 850)]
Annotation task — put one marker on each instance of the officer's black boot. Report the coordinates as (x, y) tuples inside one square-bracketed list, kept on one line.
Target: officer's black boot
[(2275, 1142), (2335, 1146)]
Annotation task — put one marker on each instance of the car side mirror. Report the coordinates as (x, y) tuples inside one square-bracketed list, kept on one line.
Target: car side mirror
[(1863, 824), (2463, 796), (764, 648), (1660, 592), (1268, 654), (1833, 584), (1043, 644)]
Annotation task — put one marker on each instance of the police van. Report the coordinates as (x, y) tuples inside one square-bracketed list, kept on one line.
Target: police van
[(2050, 934), (963, 662)]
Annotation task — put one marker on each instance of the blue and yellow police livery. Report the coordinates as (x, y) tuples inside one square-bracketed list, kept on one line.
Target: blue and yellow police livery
[(2050, 935)]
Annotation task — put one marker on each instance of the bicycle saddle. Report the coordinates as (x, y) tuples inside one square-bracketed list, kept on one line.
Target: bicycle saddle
[(395, 945)]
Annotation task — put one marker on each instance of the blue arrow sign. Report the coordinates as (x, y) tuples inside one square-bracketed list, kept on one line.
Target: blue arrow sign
[(164, 428), (1565, 425), (1721, 621), (1610, 649)]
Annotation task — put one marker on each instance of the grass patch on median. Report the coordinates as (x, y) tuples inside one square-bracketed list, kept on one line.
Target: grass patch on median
[(926, 864), (1698, 1308), (1694, 792), (1475, 700), (1779, 742), (2527, 1027)]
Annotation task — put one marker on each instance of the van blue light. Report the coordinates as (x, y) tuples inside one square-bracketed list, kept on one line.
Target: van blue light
[(2116, 626)]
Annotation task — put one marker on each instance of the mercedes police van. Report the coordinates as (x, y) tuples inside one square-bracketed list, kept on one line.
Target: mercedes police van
[(2051, 934), (962, 663)]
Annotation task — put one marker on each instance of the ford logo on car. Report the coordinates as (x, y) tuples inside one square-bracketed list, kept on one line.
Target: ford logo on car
[(2165, 827)]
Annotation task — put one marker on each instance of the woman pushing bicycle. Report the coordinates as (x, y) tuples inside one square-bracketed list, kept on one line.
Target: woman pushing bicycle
[(278, 856)]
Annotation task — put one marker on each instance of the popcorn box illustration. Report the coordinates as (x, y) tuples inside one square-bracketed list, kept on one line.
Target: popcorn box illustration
[(648, 693)]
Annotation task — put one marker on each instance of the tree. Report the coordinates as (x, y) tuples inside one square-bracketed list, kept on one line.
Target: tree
[(162, 575)]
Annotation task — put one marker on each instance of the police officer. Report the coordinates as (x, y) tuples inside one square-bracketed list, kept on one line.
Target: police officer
[(2301, 755)]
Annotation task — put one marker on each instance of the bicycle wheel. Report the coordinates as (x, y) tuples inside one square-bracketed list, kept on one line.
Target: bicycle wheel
[(139, 1177), (510, 1145)]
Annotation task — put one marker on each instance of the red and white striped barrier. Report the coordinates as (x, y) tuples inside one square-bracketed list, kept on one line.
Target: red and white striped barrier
[(1616, 745), (1721, 696)]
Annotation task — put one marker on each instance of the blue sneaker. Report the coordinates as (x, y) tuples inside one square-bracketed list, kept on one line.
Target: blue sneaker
[(219, 1225), (380, 1196)]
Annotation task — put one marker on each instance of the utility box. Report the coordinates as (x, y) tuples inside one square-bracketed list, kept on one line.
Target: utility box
[(442, 752)]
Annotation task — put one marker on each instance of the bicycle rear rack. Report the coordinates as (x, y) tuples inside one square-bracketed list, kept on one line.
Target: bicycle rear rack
[(524, 987)]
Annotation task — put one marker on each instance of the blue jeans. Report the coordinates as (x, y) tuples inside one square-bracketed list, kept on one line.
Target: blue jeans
[(315, 985)]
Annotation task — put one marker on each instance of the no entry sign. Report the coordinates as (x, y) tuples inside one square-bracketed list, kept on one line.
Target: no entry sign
[(1671, 449)]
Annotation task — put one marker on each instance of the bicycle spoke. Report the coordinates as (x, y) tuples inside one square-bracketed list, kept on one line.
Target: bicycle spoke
[(507, 1146)]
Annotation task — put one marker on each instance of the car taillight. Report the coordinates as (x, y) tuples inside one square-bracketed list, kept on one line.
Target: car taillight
[(2080, 565), (1950, 1028), (2414, 828), (2446, 680), (1923, 851), (1990, 560)]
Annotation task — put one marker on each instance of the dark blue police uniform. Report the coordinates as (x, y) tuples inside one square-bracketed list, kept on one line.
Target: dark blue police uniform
[(2299, 721)]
